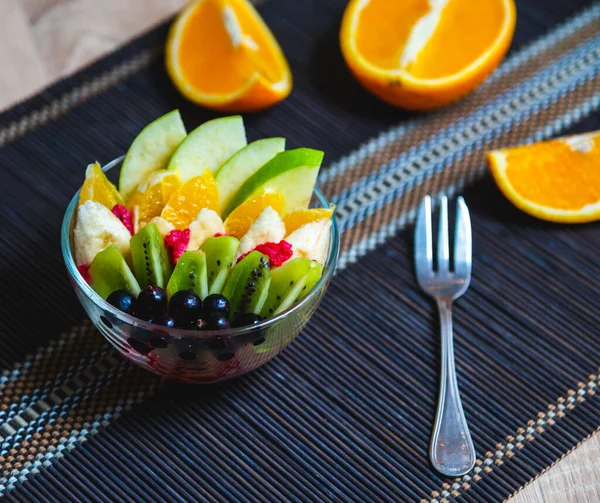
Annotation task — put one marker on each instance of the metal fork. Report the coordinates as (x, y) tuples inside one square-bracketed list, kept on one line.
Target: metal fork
[(451, 450)]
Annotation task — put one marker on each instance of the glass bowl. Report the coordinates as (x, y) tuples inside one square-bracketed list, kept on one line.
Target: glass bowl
[(183, 355)]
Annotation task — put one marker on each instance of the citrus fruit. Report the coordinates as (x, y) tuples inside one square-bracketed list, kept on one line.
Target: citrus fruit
[(152, 195), (221, 55), (557, 180), (240, 219), (185, 203), (298, 218), (96, 187), (423, 54)]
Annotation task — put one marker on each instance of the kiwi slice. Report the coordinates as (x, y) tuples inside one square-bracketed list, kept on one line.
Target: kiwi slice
[(314, 275), (189, 274), (248, 285), (109, 272), (287, 282), (220, 254), (150, 259)]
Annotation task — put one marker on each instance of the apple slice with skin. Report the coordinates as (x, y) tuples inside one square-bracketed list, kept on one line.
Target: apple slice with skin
[(208, 147), (292, 173), (243, 164), (151, 151)]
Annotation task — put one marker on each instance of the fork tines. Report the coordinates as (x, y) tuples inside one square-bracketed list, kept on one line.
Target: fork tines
[(424, 242)]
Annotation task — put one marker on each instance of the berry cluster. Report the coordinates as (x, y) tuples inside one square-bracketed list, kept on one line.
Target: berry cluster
[(184, 310)]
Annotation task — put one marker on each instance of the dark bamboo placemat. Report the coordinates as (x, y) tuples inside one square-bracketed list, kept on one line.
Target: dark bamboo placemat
[(345, 413)]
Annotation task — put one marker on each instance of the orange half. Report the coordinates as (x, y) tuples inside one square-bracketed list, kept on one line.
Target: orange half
[(221, 55), (422, 54), (557, 180)]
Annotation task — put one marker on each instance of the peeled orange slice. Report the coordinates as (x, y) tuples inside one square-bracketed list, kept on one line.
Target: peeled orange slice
[(557, 180), (152, 195), (98, 188), (221, 55), (239, 220), (195, 194), (422, 54), (298, 218)]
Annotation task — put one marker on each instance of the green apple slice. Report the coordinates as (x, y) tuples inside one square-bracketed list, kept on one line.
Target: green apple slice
[(292, 173), (151, 151), (208, 147), (243, 164)]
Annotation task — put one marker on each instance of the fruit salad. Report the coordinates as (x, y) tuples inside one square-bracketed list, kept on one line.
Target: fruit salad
[(205, 231)]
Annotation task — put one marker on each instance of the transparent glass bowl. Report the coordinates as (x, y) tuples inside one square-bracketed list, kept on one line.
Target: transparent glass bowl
[(183, 355)]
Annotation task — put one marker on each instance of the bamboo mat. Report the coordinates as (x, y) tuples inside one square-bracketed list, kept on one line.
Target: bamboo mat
[(527, 374)]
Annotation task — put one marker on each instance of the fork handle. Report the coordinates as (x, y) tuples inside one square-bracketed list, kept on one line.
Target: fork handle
[(451, 451)]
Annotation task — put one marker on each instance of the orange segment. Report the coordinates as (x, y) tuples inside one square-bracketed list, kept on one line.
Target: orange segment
[(239, 220), (557, 180), (185, 204), (98, 188), (298, 218), (221, 54), (153, 194), (421, 54)]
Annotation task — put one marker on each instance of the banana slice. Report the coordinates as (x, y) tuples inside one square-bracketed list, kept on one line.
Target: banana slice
[(163, 226), (311, 240), (95, 230), (206, 225), (268, 227)]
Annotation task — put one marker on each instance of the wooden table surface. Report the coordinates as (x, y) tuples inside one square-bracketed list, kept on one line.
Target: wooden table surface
[(44, 40)]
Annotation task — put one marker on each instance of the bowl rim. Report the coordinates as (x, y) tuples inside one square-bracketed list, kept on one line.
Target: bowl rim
[(82, 284)]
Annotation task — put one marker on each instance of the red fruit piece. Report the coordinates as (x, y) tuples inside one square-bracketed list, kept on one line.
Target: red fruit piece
[(124, 215), (84, 271), (278, 253), (176, 243)]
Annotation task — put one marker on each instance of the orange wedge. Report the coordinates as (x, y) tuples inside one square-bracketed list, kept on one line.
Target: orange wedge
[(557, 180), (239, 220), (298, 218), (98, 188), (195, 194), (152, 195), (221, 55), (423, 54)]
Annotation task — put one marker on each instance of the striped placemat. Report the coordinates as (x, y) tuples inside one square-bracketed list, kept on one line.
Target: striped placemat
[(345, 413)]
